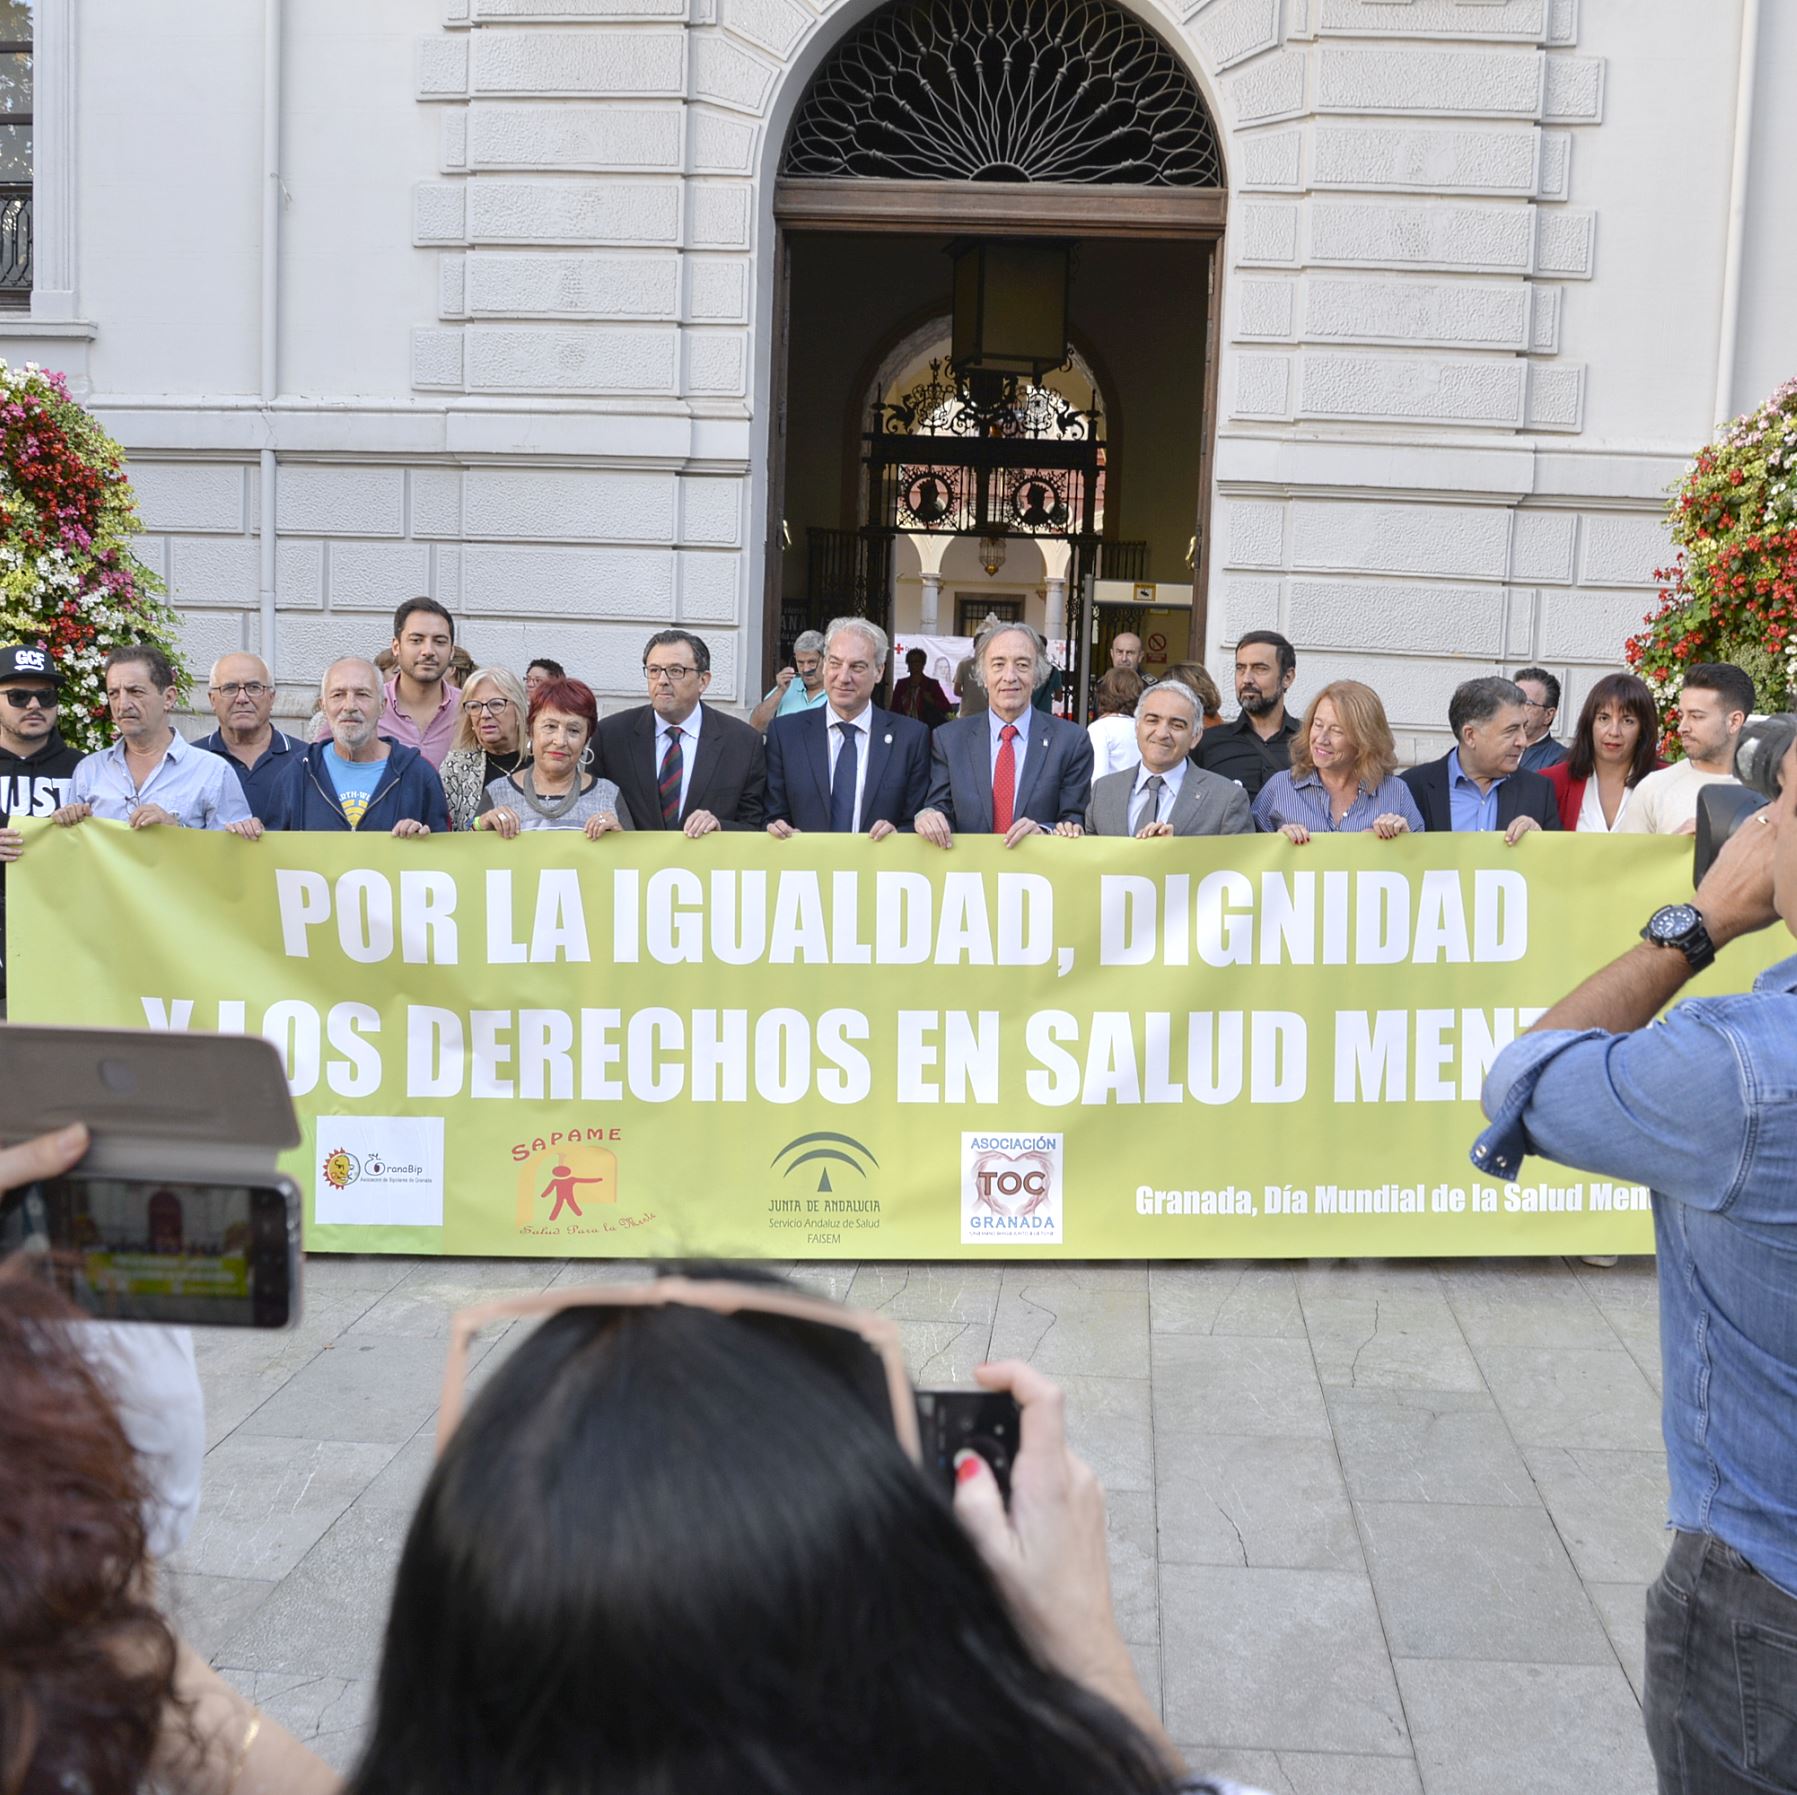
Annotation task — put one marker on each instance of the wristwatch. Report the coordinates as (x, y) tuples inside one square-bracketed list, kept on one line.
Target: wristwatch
[(1681, 926)]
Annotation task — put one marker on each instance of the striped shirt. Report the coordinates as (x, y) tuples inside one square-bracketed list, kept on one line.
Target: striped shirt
[(1286, 799)]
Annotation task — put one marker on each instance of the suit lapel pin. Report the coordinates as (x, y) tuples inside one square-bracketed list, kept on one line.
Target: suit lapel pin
[(888, 741)]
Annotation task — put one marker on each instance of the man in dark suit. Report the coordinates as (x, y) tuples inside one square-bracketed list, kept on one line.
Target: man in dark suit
[(1012, 771), (1476, 784), (1165, 794), (680, 764), (847, 766)]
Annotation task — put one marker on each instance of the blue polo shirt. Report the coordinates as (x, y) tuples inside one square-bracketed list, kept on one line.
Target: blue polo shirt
[(259, 781)]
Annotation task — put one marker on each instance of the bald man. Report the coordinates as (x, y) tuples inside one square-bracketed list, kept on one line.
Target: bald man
[(355, 778), (242, 693)]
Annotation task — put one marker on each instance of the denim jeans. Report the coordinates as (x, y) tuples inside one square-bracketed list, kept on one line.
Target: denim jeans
[(1721, 1694)]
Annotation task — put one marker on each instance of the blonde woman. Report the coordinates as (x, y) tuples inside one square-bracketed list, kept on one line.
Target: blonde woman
[(489, 741), (1343, 775)]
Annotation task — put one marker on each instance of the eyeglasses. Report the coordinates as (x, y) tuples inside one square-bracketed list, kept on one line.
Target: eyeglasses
[(248, 688), (486, 707), (21, 701), (880, 1333), (674, 675), (1532, 704)]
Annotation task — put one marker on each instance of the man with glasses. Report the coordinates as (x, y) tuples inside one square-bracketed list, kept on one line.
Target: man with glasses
[(679, 763), (243, 699), (36, 765), (1541, 700), (151, 775)]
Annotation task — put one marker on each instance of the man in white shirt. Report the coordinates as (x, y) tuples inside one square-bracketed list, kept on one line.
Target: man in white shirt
[(1715, 700)]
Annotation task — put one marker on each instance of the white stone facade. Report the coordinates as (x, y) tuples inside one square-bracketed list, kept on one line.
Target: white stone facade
[(1472, 300)]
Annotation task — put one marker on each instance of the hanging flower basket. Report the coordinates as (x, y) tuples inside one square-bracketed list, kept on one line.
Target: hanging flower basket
[(68, 579), (1731, 594)]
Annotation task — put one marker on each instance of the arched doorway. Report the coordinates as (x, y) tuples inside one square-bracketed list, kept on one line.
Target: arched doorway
[(933, 124)]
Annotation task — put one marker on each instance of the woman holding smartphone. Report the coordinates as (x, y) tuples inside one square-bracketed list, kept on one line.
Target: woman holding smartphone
[(683, 1540), (555, 789)]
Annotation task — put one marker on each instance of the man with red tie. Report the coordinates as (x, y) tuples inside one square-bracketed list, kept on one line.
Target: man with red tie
[(1013, 770), (679, 763)]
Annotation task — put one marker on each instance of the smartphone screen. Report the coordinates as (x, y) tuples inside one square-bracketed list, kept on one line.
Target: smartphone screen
[(152, 1249)]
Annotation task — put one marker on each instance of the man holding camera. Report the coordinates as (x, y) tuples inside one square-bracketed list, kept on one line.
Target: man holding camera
[(1702, 1106)]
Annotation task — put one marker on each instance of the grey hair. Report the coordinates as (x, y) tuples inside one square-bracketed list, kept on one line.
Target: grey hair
[(1044, 666), (1174, 685), (345, 660), (875, 635), (1478, 699), (811, 642)]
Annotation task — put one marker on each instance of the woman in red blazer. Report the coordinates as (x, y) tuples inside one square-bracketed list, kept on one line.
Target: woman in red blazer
[(1612, 752)]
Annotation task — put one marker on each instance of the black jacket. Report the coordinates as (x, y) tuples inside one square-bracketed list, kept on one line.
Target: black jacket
[(33, 785), (1521, 794), (729, 776)]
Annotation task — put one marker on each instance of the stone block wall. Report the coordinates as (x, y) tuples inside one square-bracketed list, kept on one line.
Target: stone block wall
[(1403, 479)]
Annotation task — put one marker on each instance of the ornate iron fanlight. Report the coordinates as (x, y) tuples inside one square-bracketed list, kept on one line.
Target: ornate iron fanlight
[(950, 404), (1005, 90)]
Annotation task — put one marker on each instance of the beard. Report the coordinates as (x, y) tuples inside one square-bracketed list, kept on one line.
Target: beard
[(1259, 703)]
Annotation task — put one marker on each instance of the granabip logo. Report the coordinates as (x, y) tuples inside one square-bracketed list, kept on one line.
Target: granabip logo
[(1011, 1189), (380, 1171), (823, 1151)]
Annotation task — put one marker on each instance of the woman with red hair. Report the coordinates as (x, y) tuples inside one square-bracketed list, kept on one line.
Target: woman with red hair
[(555, 789)]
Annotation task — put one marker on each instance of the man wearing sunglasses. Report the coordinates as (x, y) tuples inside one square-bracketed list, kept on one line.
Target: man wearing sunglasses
[(35, 762), (243, 700)]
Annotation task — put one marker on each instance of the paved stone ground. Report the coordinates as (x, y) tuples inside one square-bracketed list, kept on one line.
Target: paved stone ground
[(1378, 1526)]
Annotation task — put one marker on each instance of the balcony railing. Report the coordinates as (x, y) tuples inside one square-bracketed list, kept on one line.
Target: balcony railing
[(15, 243)]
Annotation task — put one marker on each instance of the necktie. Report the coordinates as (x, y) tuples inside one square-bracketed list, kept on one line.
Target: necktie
[(1149, 810), (673, 770), (1004, 781), (842, 781)]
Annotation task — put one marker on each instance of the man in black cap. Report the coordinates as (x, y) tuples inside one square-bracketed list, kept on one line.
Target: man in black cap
[(35, 762)]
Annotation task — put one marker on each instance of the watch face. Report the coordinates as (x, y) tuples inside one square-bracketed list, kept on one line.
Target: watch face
[(1672, 922)]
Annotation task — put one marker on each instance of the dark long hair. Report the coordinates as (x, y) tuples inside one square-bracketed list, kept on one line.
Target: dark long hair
[(672, 1551), (87, 1665), (1622, 690)]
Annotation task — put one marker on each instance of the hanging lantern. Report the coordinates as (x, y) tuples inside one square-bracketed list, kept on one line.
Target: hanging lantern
[(992, 553), (1010, 314)]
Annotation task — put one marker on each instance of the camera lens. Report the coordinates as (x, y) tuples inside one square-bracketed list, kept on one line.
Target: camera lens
[(1761, 750)]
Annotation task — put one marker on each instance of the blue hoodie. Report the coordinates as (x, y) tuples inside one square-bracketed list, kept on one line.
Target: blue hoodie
[(305, 798)]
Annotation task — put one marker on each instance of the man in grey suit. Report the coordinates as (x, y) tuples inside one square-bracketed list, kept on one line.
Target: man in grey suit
[(1167, 794), (1013, 770)]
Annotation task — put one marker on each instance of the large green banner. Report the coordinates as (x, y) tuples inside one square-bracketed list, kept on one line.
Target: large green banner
[(831, 1048)]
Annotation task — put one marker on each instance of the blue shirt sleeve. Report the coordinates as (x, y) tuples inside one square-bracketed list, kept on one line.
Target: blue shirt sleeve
[(224, 801), (1642, 1106), (1399, 796)]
